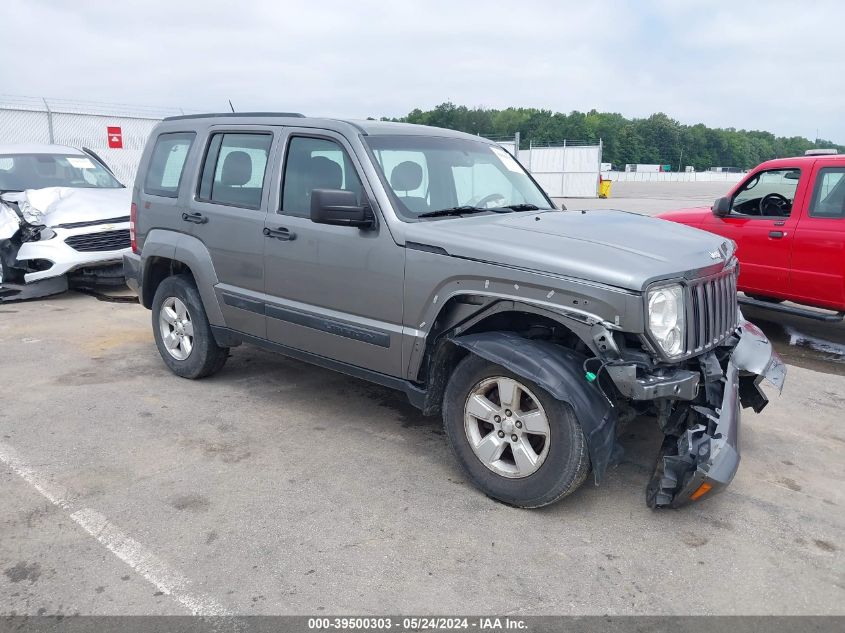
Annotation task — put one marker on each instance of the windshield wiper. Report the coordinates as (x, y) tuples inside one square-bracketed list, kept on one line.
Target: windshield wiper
[(465, 209), (526, 206)]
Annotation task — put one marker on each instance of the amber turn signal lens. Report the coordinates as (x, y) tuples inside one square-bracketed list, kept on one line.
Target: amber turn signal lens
[(703, 489)]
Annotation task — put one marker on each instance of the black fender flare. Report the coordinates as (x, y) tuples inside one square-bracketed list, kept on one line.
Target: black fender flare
[(191, 252), (560, 371)]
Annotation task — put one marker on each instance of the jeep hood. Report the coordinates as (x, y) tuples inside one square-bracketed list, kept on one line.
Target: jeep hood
[(617, 248), (53, 206)]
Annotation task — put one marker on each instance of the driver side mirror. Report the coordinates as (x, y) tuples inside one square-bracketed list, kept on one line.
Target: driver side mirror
[(339, 208), (721, 207)]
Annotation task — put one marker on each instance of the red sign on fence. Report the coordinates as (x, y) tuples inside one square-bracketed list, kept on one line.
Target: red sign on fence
[(115, 137)]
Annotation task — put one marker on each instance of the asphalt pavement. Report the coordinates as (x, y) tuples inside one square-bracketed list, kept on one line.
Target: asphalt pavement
[(279, 488)]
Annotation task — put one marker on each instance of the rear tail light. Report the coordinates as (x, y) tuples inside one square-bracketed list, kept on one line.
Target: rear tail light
[(133, 218)]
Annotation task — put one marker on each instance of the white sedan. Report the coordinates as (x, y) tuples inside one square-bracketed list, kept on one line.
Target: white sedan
[(64, 218)]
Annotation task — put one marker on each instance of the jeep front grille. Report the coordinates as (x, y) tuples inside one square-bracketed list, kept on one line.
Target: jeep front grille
[(104, 241), (711, 310)]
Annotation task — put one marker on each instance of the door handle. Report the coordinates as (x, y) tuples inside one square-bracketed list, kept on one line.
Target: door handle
[(196, 218), (776, 234), (280, 233)]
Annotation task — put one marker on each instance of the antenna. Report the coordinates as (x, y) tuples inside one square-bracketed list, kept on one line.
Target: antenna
[(231, 106)]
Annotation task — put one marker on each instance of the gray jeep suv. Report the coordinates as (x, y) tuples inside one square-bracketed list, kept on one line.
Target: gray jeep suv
[(431, 262)]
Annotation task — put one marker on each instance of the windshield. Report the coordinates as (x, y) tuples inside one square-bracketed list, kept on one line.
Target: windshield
[(36, 171), (428, 174)]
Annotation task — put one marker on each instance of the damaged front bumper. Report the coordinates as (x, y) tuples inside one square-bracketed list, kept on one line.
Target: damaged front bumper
[(36, 290), (700, 414), (39, 261)]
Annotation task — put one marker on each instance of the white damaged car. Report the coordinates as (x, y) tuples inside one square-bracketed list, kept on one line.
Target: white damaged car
[(64, 220)]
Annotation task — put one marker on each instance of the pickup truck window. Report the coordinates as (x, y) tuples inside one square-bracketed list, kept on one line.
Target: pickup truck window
[(233, 170), (167, 163), (829, 193), (430, 173), (315, 163), (767, 194)]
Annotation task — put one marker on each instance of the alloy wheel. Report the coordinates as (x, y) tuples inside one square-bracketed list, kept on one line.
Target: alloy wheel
[(507, 427)]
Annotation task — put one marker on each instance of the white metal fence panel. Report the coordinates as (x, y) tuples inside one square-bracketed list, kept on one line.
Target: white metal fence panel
[(565, 171), (508, 145), (569, 170), (694, 176)]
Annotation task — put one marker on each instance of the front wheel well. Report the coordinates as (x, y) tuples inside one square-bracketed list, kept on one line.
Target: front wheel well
[(442, 355), (158, 269)]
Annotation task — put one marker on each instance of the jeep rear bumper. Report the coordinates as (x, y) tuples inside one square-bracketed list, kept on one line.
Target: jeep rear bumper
[(132, 271)]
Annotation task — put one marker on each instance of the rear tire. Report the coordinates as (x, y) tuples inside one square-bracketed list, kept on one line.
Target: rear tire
[(182, 333), (519, 460)]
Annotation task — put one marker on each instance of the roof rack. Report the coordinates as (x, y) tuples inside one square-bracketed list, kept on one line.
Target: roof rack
[(821, 152), (182, 117)]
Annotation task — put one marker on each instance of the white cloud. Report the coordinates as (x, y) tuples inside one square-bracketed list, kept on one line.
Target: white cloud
[(771, 65)]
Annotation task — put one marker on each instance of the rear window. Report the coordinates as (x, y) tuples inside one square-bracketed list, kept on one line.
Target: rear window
[(167, 164), (233, 170)]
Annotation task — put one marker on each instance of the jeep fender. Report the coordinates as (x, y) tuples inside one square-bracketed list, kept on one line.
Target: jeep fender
[(560, 372), (192, 253)]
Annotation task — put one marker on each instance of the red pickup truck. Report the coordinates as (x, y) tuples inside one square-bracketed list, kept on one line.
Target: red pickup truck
[(787, 217)]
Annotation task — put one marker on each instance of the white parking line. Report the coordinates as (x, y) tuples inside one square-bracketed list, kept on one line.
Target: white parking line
[(146, 564)]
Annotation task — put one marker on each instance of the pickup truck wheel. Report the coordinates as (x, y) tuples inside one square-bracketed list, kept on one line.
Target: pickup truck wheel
[(516, 442), (182, 333)]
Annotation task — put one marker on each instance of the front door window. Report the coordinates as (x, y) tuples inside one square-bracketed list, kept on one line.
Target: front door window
[(767, 194)]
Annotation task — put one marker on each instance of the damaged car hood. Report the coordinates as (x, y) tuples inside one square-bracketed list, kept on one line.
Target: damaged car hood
[(621, 249), (54, 206)]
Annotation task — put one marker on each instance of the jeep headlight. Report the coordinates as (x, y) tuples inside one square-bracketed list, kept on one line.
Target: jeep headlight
[(666, 318)]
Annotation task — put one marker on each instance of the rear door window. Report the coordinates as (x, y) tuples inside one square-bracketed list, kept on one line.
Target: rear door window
[(234, 168), (167, 163)]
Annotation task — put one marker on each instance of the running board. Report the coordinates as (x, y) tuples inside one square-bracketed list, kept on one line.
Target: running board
[(795, 311)]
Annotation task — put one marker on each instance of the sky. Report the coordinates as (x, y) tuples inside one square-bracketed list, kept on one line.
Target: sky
[(767, 65)]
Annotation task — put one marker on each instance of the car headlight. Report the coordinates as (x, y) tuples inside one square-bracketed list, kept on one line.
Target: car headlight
[(666, 318), (30, 213)]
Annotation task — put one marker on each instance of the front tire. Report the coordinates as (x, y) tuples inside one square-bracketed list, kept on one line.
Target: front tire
[(516, 442), (182, 333)]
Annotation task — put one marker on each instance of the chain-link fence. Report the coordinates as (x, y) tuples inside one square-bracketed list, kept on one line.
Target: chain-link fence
[(83, 124)]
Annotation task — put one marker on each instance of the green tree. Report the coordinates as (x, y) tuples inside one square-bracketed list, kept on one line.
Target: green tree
[(655, 139)]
